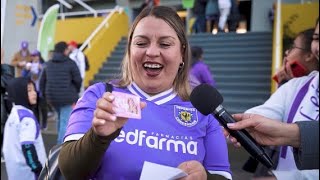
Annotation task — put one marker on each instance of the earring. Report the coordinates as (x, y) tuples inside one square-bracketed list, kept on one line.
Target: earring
[(181, 65)]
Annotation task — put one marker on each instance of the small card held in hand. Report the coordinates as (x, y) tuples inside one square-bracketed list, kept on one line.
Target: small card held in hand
[(126, 105)]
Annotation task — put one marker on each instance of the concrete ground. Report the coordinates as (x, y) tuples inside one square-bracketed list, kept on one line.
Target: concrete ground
[(237, 157)]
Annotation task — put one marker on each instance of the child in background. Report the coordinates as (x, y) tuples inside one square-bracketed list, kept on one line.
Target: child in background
[(200, 72), (34, 67), (23, 147)]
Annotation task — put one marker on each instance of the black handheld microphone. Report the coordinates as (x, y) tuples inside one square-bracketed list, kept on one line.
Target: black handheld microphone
[(208, 100)]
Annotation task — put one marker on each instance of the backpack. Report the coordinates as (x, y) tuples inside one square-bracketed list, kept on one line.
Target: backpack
[(87, 63)]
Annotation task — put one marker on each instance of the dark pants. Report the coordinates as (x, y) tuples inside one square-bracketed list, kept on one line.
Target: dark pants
[(42, 112), (200, 24)]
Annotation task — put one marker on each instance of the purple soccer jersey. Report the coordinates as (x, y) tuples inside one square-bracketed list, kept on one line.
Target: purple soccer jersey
[(170, 131)]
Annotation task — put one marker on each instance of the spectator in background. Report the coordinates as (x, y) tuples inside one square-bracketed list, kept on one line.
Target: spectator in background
[(199, 69), (150, 3), (234, 16), (199, 10), (34, 72), (21, 58), (7, 73), (224, 8), (212, 13), (301, 53), (271, 13), (23, 147), (146, 3), (34, 67), (50, 54), (60, 84), (79, 58)]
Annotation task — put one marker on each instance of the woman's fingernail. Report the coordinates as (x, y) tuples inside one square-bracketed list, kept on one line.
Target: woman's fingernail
[(111, 97), (230, 125), (113, 118)]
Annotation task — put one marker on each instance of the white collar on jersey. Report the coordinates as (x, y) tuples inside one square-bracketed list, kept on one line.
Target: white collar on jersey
[(157, 99)]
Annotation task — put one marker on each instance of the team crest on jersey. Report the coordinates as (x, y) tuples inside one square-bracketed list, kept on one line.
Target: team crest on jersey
[(186, 116)]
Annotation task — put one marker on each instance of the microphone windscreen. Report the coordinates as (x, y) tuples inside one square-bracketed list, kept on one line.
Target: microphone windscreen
[(205, 98)]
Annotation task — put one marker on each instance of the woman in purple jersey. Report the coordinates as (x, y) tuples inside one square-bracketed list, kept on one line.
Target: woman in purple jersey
[(171, 132)]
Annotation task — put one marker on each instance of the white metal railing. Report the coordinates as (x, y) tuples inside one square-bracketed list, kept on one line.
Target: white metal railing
[(65, 3), (86, 6), (79, 13), (104, 23), (3, 14), (278, 37)]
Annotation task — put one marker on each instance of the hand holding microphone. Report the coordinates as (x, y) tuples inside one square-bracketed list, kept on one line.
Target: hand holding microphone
[(266, 131), (208, 100)]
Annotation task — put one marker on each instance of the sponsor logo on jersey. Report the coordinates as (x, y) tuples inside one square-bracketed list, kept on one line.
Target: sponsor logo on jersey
[(185, 116), (153, 140)]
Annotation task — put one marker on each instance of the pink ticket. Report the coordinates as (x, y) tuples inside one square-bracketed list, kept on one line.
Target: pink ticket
[(127, 105)]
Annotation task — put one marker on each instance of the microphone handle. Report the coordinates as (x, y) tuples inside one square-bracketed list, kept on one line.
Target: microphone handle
[(245, 139)]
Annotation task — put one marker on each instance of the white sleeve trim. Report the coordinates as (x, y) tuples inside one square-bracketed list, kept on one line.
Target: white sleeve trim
[(73, 137), (222, 173)]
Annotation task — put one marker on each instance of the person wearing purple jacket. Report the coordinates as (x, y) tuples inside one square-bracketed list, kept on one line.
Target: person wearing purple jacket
[(199, 69), (171, 132)]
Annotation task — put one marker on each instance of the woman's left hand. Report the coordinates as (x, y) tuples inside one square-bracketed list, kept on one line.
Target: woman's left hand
[(194, 169)]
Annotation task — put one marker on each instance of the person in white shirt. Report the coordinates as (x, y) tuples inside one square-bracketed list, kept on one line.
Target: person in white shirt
[(79, 58), (224, 8)]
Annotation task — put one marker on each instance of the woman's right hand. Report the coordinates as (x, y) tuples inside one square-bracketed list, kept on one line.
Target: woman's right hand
[(104, 121)]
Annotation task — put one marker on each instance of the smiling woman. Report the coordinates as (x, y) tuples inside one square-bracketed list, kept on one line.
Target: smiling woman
[(154, 68), (159, 41)]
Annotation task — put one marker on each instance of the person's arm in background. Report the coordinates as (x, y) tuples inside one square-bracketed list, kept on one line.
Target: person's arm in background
[(15, 60), (276, 105), (75, 75), (7, 73), (82, 64), (297, 174), (307, 154)]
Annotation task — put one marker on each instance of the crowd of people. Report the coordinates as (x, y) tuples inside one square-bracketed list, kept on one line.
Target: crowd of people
[(157, 67), (220, 12)]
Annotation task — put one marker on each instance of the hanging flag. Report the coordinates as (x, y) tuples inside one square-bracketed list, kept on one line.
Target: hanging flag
[(47, 31)]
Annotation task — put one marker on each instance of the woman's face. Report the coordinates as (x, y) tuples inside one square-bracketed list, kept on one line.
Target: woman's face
[(315, 42), (32, 94), (296, 52), (155, 55), (35, 58)]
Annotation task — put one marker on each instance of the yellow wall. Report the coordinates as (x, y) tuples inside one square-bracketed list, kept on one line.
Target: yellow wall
[(298, 17), (104, 42), (101, 46), (77, 29), (294, 19)]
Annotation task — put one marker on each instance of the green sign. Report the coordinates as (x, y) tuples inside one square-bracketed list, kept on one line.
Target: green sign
[(187, 3), (47, 31)]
